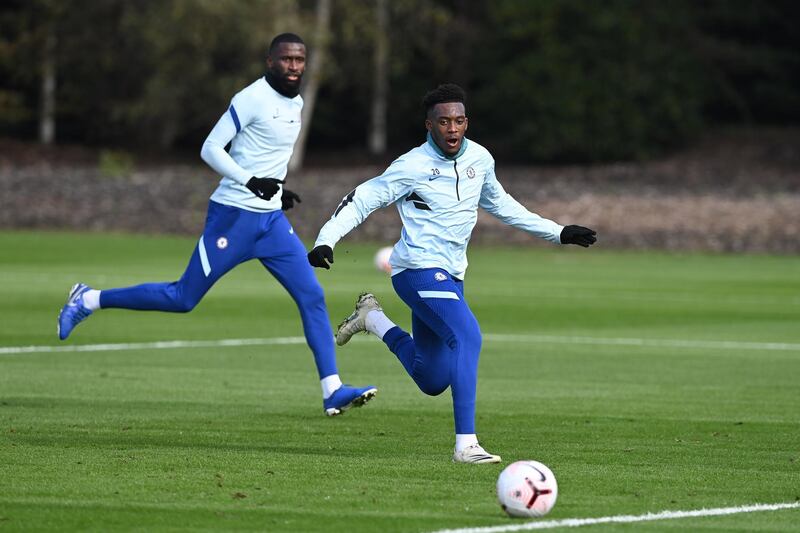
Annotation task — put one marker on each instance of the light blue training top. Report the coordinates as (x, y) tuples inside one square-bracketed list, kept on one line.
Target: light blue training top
[(262, 126), (438, 199)]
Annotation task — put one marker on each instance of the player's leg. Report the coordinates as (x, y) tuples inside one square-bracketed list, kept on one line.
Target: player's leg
[(227, 240), (425, 356), (284, 255), (443, 351), (464, 382), (446, 338), (451, 330)]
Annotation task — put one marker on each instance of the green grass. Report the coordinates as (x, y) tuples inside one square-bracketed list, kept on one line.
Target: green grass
[(231, 438)]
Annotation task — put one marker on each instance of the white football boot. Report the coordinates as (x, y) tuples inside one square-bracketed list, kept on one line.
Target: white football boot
[(356, 322), (475, 454)]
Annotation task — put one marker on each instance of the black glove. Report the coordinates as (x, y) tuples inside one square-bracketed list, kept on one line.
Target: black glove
[(318, 255), (578, 235), (264, 188), (288, 199)]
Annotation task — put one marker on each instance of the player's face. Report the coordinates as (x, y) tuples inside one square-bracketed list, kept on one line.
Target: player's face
[(287, 63), (447, 123)]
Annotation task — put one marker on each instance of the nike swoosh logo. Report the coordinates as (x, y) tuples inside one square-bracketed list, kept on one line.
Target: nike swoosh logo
[(433, 178), (540, 473)]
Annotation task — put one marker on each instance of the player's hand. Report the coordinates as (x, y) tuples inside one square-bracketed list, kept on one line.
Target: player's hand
[(288, 199), (264, 188), (319, 255), (578, 235)]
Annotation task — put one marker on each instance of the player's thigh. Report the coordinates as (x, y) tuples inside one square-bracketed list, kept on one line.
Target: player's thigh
[(436, 300), (426, 338), (278, 243), (229, 238)]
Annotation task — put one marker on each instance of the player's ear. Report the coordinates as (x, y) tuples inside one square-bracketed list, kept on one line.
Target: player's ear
[(428, 124), (466, 124)]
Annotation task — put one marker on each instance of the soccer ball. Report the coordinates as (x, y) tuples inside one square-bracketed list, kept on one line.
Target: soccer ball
[(381, 259), (527, 489)]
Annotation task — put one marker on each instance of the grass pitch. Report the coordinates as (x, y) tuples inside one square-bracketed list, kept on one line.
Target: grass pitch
[(646, 381)]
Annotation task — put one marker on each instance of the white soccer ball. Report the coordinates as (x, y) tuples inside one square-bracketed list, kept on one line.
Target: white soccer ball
[(381, 259), (527, 489)]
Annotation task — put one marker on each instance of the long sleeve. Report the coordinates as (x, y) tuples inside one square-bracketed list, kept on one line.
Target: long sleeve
[(495, 200), (213, 151), (373, 194)]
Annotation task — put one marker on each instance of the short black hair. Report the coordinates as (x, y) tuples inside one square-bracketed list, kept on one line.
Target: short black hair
[(284, 38), (447, 92)]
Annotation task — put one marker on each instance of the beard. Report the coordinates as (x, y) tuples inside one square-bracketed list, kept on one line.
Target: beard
[(285, 87)]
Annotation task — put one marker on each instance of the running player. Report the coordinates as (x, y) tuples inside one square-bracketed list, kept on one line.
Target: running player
[(437, 187), (245, 220)]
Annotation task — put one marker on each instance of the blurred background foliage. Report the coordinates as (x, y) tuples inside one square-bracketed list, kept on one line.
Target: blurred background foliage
[(548, 80)]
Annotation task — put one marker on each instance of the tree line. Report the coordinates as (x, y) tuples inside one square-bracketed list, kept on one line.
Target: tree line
[(548, 80)]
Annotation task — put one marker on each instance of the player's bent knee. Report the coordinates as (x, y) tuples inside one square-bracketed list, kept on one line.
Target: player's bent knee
[(434, 392), (435, 388), (184, 305), (180, 298)]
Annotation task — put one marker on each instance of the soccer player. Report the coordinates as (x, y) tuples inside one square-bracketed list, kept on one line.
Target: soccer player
[(245, 220), (437, 187)]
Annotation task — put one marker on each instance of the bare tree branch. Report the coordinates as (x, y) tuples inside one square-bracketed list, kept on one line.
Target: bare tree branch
[(313, 78)]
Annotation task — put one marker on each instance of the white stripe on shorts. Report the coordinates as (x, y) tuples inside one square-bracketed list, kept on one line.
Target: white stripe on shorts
[(438, 294), (203, 257)]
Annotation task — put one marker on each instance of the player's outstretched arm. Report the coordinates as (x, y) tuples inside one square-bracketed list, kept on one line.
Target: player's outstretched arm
[(578, 235), (356, 206), (321, 257)]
